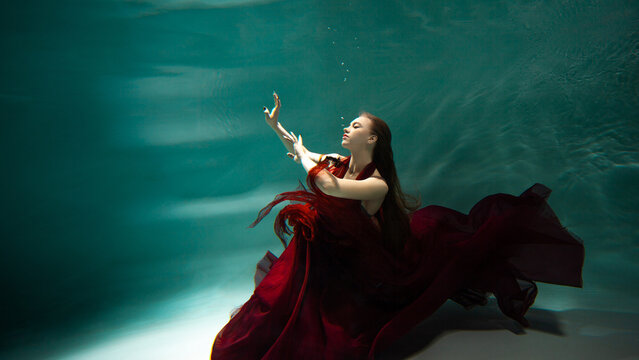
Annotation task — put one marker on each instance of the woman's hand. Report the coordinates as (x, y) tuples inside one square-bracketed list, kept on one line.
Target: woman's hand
[(271, 117), (299, 151), (294, 157), (298, 147)]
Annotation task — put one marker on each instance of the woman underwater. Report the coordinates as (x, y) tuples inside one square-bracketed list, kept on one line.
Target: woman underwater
[(363, 266)]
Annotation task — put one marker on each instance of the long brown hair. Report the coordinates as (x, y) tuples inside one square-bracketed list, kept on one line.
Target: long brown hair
[(397, 206)]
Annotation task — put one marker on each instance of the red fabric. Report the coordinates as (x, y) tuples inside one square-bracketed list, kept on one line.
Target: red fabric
[(335, 293)]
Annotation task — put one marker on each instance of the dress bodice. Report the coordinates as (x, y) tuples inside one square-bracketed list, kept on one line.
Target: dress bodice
[(339, 170)]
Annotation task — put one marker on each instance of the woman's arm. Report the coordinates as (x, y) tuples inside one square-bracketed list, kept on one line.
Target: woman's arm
[(271, 120), (371, 188), (368, 189), (280, 131), (316, 157)]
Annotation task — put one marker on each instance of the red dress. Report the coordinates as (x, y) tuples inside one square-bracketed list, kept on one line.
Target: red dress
[(336, 293)]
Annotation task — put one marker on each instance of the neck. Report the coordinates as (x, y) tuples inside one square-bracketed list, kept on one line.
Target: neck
[(359, 160)]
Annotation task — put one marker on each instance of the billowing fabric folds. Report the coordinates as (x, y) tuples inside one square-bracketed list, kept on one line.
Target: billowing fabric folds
[(335, 293)]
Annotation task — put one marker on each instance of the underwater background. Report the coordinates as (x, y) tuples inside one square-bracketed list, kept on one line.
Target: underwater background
[(135, 152)]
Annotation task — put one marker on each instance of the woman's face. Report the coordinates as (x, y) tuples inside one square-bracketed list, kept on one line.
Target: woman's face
[(357, 134)]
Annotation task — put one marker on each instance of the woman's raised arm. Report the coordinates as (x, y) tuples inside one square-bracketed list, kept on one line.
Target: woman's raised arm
[(271, 120)]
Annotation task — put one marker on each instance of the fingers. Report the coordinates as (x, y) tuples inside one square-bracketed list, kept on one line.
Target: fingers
[(292, 138), (276, 99), (288, 137), (293, 156)]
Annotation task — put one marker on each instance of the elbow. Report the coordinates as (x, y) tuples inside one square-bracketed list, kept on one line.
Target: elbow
[(325, 184), (327, 189)]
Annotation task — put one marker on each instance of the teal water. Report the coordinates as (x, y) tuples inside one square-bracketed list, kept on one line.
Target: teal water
[(135, 152)]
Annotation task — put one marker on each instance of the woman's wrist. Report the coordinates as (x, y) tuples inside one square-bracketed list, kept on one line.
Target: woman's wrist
[(306, 161), (316, 157)]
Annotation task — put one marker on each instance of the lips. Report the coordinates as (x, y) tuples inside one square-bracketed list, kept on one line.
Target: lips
[(344, 137)]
